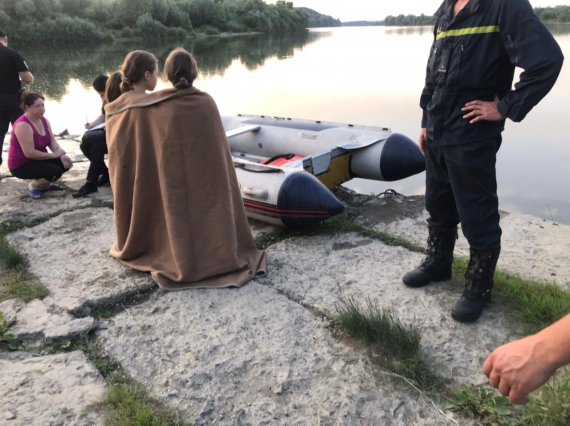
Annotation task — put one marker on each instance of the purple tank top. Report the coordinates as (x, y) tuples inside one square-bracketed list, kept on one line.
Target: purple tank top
[(16, 155)]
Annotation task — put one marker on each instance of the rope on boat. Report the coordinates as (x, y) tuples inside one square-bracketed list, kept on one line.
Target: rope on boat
[(389, 193)]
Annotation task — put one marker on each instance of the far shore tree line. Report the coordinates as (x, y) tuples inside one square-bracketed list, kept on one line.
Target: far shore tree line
[(44, 22), (81, 21), (546, 14)]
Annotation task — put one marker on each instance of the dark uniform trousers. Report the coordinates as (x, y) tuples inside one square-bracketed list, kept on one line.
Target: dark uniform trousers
[(461, 186), (9, 112), (94, 147)]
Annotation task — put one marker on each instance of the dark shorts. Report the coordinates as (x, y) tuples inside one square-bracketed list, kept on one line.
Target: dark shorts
[(50, 170)]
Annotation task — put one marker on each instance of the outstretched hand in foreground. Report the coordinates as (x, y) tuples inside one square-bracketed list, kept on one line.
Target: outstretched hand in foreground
[(521, 366)]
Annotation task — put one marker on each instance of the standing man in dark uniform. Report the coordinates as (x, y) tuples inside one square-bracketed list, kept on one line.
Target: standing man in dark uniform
[(13, 72), (467, 96)]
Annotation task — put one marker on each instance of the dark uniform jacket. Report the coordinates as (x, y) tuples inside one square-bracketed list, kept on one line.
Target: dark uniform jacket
[(473, 57), (11, 64)]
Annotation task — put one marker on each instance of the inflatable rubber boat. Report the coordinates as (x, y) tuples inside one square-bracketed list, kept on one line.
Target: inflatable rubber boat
[(286, 167)]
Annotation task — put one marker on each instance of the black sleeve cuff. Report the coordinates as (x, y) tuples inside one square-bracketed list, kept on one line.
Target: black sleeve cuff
[(503, 108)]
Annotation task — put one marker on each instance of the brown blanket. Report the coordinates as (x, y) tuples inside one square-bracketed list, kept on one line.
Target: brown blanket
[(178, 209)]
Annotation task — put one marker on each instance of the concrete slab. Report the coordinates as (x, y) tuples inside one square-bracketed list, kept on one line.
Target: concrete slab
[(49, 390), (252, 356), (70, 256), (36, 322), (351, 266)]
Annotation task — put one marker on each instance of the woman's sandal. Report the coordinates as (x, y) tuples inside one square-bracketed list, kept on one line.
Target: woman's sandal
[(35, 194)]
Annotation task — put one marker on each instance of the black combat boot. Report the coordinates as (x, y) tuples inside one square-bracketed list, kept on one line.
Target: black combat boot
[(437, 265), (85, 190), (478, 285)]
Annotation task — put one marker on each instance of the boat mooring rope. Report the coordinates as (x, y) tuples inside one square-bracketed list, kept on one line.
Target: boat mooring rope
[(389, 193)]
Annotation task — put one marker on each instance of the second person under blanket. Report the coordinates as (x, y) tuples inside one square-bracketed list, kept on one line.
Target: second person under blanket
[(177, 204)]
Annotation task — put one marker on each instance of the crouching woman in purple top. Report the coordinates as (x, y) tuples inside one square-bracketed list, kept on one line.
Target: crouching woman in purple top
[(28, 157)]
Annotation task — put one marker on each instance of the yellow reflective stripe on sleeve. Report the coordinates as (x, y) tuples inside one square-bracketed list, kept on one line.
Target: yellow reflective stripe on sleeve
[(468, 31)]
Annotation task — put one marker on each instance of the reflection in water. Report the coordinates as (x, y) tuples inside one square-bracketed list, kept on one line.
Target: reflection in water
[(215, 54), (54, 69), (559, 28)]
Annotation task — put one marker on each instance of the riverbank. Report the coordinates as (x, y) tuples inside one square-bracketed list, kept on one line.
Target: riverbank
[(267, 353)]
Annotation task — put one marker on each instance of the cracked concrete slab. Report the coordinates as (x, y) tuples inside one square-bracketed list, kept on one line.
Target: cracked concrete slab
[(38, 321), (352, 266), (69, 254), (57, 389), (252, 356)]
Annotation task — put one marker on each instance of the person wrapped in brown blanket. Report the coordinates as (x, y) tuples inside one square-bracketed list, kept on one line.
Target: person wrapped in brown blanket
[(178, 209)]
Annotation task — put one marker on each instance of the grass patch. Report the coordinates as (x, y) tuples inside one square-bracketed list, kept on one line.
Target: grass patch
[(395, 346), (6, 338), (102, 312), (548, 407), (19, 285), (9, 257), (15, 281), (535, 305), (552, 404), (539, 304), (131, 406), (482, 404), (127, 403)]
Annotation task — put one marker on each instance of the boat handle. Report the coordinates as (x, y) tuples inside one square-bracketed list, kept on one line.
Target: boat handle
[(256, 192)]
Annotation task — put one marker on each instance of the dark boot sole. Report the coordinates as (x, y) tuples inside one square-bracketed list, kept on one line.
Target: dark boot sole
[(420, 284), (469, 317)]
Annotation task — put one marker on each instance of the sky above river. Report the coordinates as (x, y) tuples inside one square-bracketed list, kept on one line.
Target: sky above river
[(369, 10)]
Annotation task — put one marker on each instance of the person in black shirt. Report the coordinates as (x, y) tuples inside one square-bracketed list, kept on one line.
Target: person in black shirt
[(13, 72)]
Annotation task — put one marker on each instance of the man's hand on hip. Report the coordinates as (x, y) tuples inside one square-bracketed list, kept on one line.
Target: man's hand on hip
[(482, 111)]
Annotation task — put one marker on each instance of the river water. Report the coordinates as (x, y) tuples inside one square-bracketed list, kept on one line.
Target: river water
[(360, 75)]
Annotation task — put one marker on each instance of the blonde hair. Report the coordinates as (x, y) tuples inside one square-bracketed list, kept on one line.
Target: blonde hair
[(134, 66), (181, 68)]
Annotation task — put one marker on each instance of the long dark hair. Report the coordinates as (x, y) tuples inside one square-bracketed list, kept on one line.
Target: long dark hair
[(181, 68), (134, 66), (113, 87)]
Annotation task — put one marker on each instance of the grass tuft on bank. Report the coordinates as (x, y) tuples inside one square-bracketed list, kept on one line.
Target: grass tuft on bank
[(550, 406), (19, 285), (394, 345), (6, 338), (9, 257), (131, 406), (15, 281)]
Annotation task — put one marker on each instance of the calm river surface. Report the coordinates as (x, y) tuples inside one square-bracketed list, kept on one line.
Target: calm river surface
[(361, 75)]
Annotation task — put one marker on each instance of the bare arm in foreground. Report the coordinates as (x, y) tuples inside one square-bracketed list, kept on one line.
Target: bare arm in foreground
[(521, 366)]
